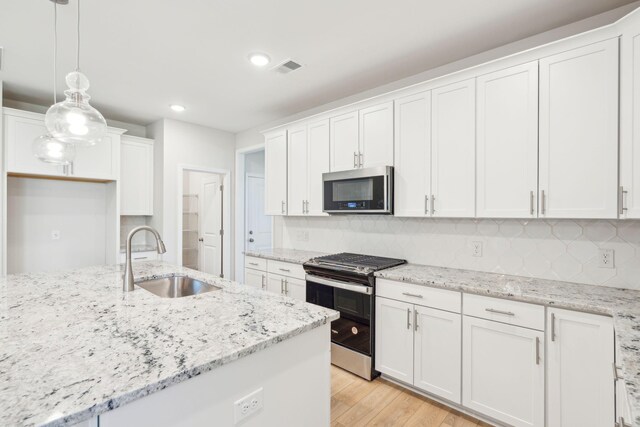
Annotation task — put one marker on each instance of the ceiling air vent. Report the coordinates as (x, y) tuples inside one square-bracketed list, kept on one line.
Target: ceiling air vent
[(287, 66)]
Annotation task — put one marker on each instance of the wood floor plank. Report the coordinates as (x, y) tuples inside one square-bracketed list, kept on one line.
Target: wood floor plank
[(357, 402)]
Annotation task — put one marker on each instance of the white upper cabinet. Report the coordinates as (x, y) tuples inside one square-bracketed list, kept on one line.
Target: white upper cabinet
[(344, 142), (453, 130), (136, 176), (579, 133), (276, 173), (580, 358), (97, 162), (412, 174), (297, 164), (630, 118), (394, 339), (503, 372), (317, 164), (376, 136), (507, 143)]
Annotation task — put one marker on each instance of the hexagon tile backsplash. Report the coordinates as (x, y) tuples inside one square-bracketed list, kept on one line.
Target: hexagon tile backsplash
[(550, 249)]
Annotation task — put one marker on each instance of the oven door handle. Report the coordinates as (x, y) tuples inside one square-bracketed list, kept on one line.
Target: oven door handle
[(335, 284)]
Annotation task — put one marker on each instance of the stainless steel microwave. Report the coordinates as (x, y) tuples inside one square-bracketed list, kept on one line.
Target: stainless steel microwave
[(361, 191)]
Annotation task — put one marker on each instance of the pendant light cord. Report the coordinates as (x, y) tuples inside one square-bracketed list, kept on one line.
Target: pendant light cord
[(55, 49), (78, 40)]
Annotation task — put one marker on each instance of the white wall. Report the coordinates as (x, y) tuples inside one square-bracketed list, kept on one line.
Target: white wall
[(180, 143), (560, 250), (36, 207), (254, 163)]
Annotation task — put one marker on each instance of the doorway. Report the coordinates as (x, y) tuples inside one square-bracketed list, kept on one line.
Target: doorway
[(203, 242), (258, 225)]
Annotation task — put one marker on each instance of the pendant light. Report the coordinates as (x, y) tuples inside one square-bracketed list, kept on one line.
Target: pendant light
[(74, 120), (46, 147)]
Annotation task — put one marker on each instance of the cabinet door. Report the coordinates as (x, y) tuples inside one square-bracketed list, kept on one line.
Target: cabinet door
[(295, 288), (275, 283), (412, 172), (453, 131), (344, 142), (394, 339), (317, 164), (297, 164), (579, 132), (376, 135), (580, 352), (255, 278), (630, 117), (275, 165), (438, 349), (136, 177), (507, 142), (97, 161), (20, 132), (503, 371), (623, 407)]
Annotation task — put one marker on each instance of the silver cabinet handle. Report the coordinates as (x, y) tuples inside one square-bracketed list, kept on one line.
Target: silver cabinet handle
[(415, 320), (616, 377), (253, 263), (553, 327), (506, 313), (426, 204), (285, 270), (543, 203), (621, 207), (303, 206), (537, 351), (360, 160), (412, 295), (531, 207), (283, 206), (282, 286), (140, 257), (355, 160), (408, 318), (433, 204), (286, 287), (264, 286)]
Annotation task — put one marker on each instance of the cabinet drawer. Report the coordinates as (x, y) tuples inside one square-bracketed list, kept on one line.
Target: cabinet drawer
[(505, 311), (139, 256), (286, 269), (421, 295), (255, 263)]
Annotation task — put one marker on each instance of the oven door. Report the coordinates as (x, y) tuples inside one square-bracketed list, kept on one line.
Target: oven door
[(358, 191), (354, 302)]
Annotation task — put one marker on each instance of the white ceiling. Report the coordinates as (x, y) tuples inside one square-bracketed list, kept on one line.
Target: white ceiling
[(142, 55)]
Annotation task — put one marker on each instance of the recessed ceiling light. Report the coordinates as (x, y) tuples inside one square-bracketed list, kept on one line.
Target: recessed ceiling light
[(177, 108), (259, 59)]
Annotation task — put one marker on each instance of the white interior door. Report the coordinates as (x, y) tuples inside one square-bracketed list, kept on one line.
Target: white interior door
[(211, 226), (258, 226)]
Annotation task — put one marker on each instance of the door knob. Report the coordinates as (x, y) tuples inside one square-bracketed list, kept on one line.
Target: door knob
[(250, 231), (200, 239), (251, 240)]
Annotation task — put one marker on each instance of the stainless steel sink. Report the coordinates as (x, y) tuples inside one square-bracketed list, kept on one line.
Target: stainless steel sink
[(176, 286)]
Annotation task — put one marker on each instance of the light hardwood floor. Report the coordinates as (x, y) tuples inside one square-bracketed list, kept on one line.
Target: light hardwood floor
[(357, 402)]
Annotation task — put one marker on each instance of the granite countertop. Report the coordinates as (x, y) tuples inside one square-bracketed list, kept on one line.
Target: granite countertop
[(139, 248), (287, 255), (73, 345), (622, 304)]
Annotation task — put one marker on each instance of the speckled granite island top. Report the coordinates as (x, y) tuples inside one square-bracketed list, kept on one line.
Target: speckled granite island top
[(73, 345), (622, 304), (287, 255)]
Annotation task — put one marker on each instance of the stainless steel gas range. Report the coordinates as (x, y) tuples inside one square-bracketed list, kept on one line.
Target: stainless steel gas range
[(345, 282)]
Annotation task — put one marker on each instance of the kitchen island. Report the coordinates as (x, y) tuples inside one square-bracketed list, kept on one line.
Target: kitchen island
[(75, 347)]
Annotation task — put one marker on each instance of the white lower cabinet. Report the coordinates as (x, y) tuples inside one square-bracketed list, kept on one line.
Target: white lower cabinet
[(580, 357), (503, 371), (289, 286), (255, 278), (420, 346)]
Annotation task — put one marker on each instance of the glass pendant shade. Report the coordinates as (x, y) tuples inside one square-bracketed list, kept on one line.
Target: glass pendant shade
[(74, 120), (49, 150)]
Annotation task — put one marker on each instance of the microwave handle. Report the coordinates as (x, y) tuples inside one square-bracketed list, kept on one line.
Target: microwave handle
[(335, 284)]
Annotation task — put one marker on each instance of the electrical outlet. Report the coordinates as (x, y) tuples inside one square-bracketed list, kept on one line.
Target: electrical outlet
[(55, 234), (476, 248), (605, 258), (247, 406)]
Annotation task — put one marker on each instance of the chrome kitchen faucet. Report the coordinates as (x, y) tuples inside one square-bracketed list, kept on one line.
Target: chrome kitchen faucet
[(127, 280)]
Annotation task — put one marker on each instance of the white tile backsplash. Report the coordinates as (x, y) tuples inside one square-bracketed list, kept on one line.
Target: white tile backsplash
[(549, 249), (128, 223)]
